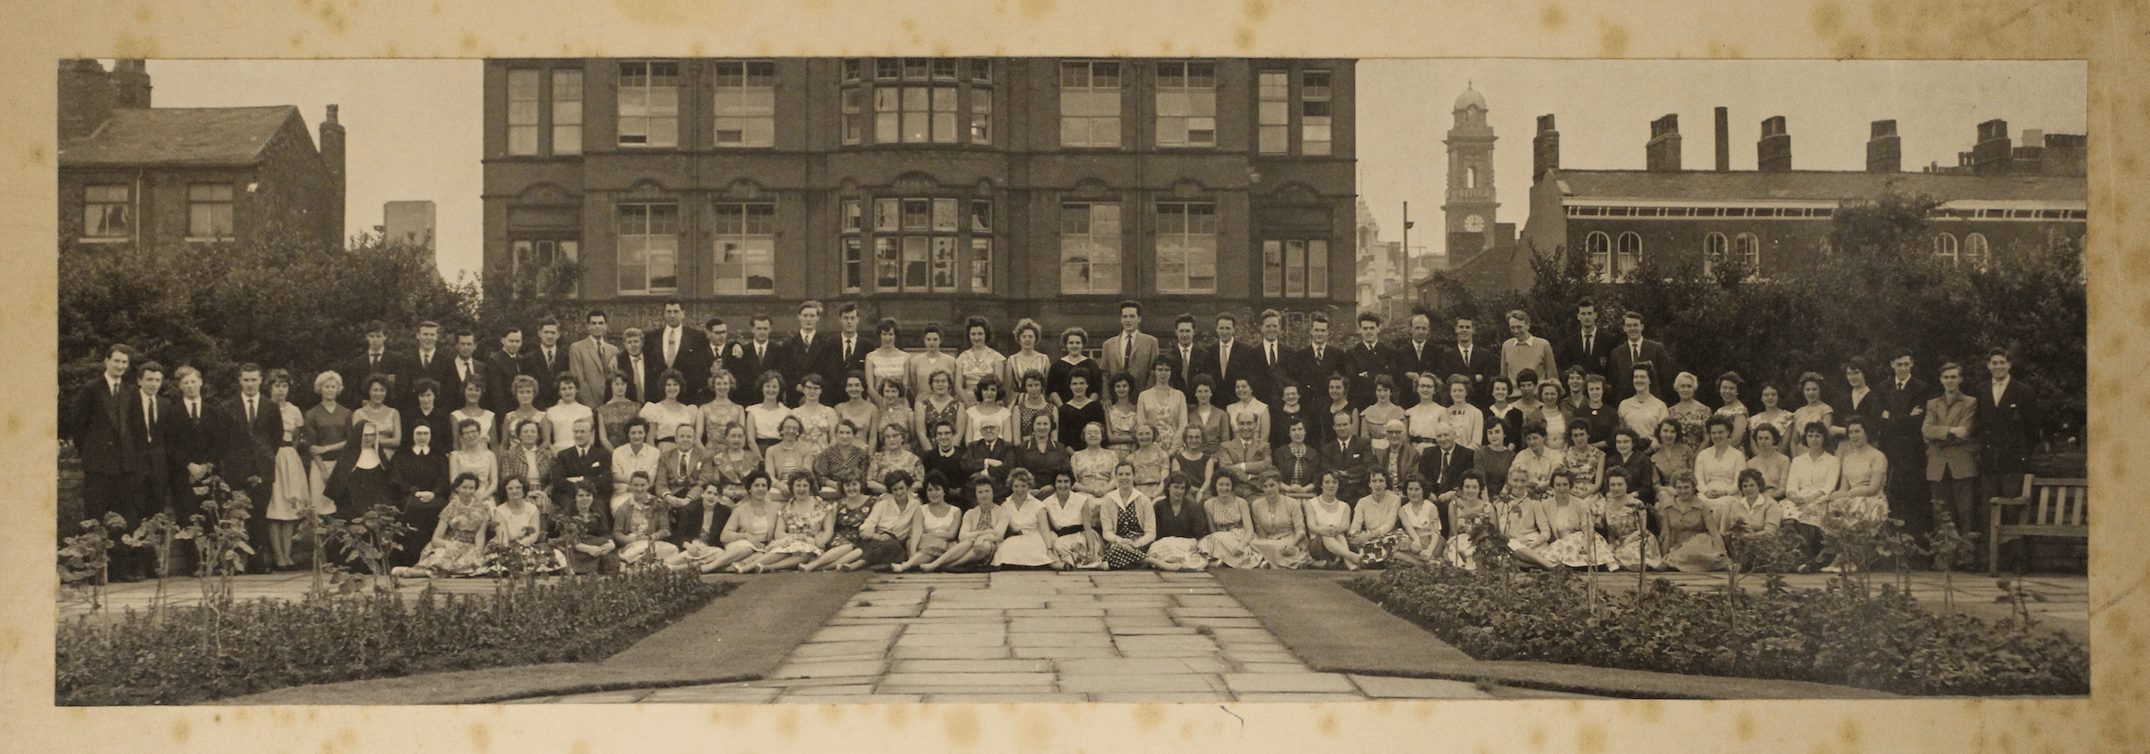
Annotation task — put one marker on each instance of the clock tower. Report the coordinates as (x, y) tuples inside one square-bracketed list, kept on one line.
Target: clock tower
[(1470, 206)]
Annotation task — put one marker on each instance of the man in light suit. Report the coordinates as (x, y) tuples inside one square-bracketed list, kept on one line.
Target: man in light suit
[(677, 346), (591, 360), (1246, 457), (1132, 351), (1639, 350)]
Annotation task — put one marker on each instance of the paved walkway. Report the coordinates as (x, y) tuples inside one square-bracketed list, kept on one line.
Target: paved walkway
[(1045, 637)]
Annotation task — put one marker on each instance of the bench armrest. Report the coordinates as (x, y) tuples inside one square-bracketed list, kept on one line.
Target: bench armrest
[(1997, 501)]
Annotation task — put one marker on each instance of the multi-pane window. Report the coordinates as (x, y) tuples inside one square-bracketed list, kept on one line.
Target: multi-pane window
[(209, 210), (523, 98), (1090, 104), (1629, 256), (1186, 104), (851, 247), (566, 112), (1597, 250), (107, 211), (744, 248), (854, 115), (745, 103), (916, 101), (1977, 252), (1945, 247), (1186, 247), (540, 256), (1273, 112), (1314, 113), (981, 246), (649, 104), (648, 247), (1295, 268), (914, 114), (915, 241), (981, 116), (1747, 251), (1090, 248), (1714, 248)]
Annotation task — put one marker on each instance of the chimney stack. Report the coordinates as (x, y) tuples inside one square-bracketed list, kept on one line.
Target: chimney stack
[(85, 100), (1662, 152), (130, 84), (332, 148), (1544, 148), (1773, 154), (1724, 139), (1884, 151), (1993, 151)]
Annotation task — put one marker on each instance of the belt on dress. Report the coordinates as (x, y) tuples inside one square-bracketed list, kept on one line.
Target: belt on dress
[(1065, 530)]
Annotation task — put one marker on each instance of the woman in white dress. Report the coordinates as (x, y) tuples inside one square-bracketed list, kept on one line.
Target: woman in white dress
[(562, 416), (471, 456), (934, 531), (473, 409), (1419, 521), (989, 408), (518, 522), (981, 531), (765, 420), (1071, 519), (980, 360), (1163, 406), (290, 489), (720, 413), (1858, 501), (1026, 537), (1328, 525), (1813, 477), (636, 455), (667, 413), (1248, 406), (1231, 528), (1717, 467), (1423, 419), (745, 534)]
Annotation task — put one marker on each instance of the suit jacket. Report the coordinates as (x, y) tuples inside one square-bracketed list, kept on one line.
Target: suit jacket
[(747, 369), (795, 359), (1246, 361), (1362, 364), (1440, 478), (684, 475), (150, 446), (546, 371), (1114, 356), (410, 474), (1956, 456), (593, 466), (1622, 366), (97, 425), (441, 370), (1246, 462), (196, 440), (1481, 367), (1598, 359), (692, 359), (1312, 374), (1186, 366), (652, 376), (500, 371), (975, 456), (1351, 462), (513, 466), (835, 366), (360, 367), (2004, 428), (1407, 358), (1272, 377), (1901, 412), (592, 362), (1401, 462), (250, 448)]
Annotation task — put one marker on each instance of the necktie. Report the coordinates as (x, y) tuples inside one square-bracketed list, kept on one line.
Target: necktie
[(760, 351), (847, 348), (1272, 353), (671, 344), (249, 412), (194, 411), (1186, 357), (1127, 359), (1444, 464), (462, 368), (1586, 344), (548, 358), (1466, 357), (151, 402), (1637, 347)]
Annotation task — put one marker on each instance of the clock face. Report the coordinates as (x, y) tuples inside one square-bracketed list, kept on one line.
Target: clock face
[(1474, 223)]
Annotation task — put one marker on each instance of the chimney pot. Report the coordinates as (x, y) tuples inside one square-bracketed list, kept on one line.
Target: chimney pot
[(1544, 148), (1662, 152), (1773, 153), (1724, 139), (1884, 150)]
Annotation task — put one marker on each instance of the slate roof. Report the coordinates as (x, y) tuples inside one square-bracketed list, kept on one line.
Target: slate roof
[(204, 136), (1822, 185)]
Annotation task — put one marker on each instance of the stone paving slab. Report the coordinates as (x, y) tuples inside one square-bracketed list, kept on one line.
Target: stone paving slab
[(809, 669), (1244, 683), (1384, 687), (968, 652), (973, 666)]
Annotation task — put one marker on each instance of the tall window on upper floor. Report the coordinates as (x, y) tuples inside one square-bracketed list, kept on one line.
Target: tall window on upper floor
[(981, 246), (523, 104), (648, 247), (851, 245), (1314, 113), (745, 103), (1295, 268), (649, 103), (916, 101), (1273, 112), (1186, 247), (1090, 247), (107, 212), (566, 111), (1186, 104), (1090, 104), (916, 240), (744, 251), (209, 211)]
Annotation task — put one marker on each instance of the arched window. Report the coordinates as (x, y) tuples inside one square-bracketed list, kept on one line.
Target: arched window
[(1747, 249), (1630, 258), (1714, 247), (1598, 248), (1976, 252), (1470, 177), (1945, 247)]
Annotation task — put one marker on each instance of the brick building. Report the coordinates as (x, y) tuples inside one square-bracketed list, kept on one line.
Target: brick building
[(140, 177), (927, 188), (2001, 200)]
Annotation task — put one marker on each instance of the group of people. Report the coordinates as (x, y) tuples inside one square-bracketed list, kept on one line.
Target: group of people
[(683, 447)]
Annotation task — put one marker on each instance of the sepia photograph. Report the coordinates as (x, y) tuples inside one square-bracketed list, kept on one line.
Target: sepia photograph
[(1210, 380)]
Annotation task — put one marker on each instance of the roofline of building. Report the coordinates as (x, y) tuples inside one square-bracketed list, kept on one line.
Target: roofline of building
[(260, 154)]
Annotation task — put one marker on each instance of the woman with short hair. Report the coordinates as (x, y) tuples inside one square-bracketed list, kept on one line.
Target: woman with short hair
[(936, 526), (668, 412), (765, 420), (1071, 516), (587, 529), (851, 509), (895, 455), (1181, 525), (1025, 539), (720, 414), (613, 416), (1690, 529), (804, 531), (1128, 520), (290, 489), (885, 537), (1815, 409), (989, 407), (1375, 528), (938, 406), (471, 456), (525, 389), (328, 429), (979, 533), (1230, 541), (636, 455), (744, 536), (1279, 526), (859, 409), (980, 360), (843, 460), (386, 421), (457, 547), (563, 415), (1328, 523), (1027, 359), (473, 409)]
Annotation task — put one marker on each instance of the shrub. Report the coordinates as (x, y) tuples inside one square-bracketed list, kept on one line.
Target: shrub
[(230, 648), (1832, 635)]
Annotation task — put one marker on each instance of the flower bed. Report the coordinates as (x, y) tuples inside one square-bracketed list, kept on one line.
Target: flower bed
[(193, 654), (1843, 634)]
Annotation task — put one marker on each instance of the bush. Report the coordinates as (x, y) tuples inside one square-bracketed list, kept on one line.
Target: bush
[(1834, 635), (232, 648)]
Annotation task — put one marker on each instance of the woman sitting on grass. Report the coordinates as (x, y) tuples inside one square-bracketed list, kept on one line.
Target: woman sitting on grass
[(1328, 521), (1627, 526), (643, 525), (587, 530), (1180, 526), (458, 544), (1375, 531), (806, 527), (744, 536), (982, 528), (935, 527), (852, 509), (1231, 528), (885, 537), (1126, 519), (1418, 521), (1466, 513)]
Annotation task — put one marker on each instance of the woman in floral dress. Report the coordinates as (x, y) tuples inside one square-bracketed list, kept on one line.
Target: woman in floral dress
[(1092, 466), (1027, 359), (458, 544), (1774, 416), (1689, 530), (1150, 460), (519, 522), (1162, 406), (817, 421), (851, 511), (1419, 521), (642, 525), (791, 456), (1530, 477), (1128, 520), (613, 416), (1583, 459), (1121, 415), (1375, 529), (1689, 413), (1279, 527), (1376, 416), (844, 460), (720, 414), (979, 533), (1231, 538), (525, 389), (980, 360), (1033, 403), (1026, 539), (895, 455), (804, 528), (587, 528), (745, 537), (936, 406), (1627, 526), (1730, 406), (1465, 513), (1194, 462), (1669, 458), (1564, 530), (1815, 409), (896, 413)]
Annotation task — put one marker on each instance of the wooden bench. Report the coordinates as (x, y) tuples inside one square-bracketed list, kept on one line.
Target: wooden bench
[(2049, 507)]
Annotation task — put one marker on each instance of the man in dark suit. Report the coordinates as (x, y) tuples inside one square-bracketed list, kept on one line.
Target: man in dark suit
[(1901, 408), (2006, 433), (256, 432), (1273, 365), (1637, 349), (1590, 347), (1232, 360), (989, 455), (585, 462), (463, 367), (1366, 360), (97, 425), (683, 468), (418, 477), (1443, 465), (644, 379), (198, 436), (950, 460), (1467, 358), (1350, 456), (149, 418), (756, 356), (546, 362), (376, 359), (429, 361), (723, 353), (1416, 356), (1312, 366), (500, 371), (1401, 459), (847, 354), (807, 352), (674, 345), (1186, 358)]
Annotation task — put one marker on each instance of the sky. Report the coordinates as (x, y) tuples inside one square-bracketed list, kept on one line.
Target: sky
[(413, 126)]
